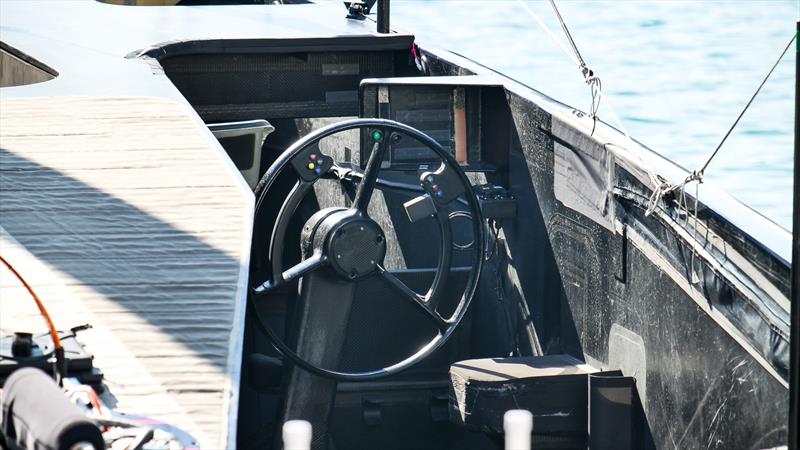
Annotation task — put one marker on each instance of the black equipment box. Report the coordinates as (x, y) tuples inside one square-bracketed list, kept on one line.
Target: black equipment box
[(496, 202), (79, 360)]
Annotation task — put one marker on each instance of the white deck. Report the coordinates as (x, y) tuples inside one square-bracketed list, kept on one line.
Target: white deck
[(125, 213)]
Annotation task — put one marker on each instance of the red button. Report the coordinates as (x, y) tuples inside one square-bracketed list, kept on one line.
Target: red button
[(313, 157), (435, 187)]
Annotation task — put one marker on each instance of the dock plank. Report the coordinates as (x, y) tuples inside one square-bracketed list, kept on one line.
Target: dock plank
[(124, 213)]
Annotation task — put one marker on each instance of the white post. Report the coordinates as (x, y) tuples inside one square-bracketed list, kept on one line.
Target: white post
[(518, 425), (296, 435)]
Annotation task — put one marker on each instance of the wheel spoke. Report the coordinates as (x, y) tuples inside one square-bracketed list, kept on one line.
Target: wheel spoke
[(367, 185), (420, 301), (276, 242), (445, 258), (305, 267)]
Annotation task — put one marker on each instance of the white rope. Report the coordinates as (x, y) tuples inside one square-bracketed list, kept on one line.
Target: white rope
[(660, 186), (592, 80), (550, 34)]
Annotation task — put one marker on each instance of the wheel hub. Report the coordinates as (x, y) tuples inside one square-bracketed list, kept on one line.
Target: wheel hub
[(353, 244), (356, 247)]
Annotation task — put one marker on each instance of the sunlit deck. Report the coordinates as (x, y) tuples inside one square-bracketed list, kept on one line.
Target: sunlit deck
[(124, 213)]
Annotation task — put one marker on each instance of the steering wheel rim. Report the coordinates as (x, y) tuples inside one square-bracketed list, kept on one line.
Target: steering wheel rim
[(447, 327)]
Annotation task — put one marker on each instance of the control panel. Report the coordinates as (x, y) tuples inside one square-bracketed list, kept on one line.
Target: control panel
[(467, 115)]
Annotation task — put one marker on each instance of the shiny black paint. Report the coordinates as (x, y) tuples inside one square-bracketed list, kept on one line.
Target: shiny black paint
[(702, 386)]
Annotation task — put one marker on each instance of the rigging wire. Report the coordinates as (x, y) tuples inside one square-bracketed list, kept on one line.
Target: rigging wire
[(698, 174), (661, 187), (597, 95), (581, 62), (595, 85)]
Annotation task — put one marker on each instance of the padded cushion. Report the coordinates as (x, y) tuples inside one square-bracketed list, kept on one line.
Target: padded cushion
[(553, 388)]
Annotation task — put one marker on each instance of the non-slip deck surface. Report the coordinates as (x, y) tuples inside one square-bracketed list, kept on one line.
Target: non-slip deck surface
[(124, 213)]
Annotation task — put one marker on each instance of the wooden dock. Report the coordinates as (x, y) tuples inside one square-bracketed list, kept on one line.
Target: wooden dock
[(124, 213)]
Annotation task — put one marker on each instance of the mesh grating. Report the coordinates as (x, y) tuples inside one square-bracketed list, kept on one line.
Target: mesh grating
[(283, 85)]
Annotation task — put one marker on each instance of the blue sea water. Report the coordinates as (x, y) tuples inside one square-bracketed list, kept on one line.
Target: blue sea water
[(676, 72)]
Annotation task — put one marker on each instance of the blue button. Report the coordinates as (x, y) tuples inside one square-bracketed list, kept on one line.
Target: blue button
[(318, 170), (440, 194)]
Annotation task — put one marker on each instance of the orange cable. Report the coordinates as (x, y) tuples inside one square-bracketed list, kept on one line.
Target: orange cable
[(42, 309)]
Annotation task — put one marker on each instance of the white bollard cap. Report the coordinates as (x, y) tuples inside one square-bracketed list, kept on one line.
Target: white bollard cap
[(518, 425), (296, 435)]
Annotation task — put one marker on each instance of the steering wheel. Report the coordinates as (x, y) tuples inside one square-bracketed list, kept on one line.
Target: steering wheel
[(342, 245)]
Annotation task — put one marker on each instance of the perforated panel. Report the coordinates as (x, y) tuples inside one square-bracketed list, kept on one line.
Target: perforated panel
[(242, 86)]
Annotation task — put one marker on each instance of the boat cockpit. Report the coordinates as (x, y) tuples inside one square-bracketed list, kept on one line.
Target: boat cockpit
[(399, 260), (372, 173), (432, 244), (382, 183)]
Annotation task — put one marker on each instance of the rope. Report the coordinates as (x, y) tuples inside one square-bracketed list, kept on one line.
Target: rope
[(549, 33), (697, 175), (660, 185), (595, 85), (683, 205), (663, 189), (749, 102)]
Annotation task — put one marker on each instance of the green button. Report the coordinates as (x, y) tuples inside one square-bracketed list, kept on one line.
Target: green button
[(377, 135)]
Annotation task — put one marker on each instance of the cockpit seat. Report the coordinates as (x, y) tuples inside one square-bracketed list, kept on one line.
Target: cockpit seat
[(553, 388)]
